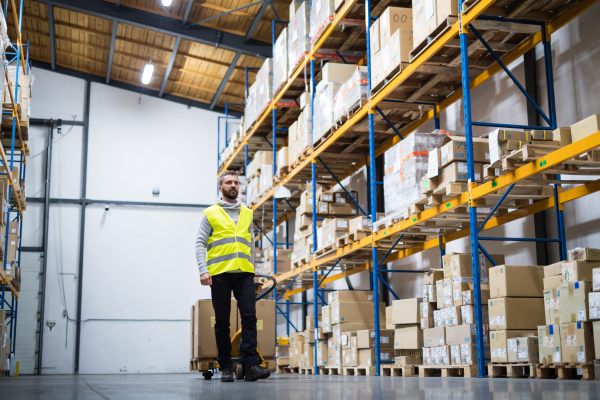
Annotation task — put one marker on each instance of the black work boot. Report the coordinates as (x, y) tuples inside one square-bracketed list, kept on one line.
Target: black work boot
[(227, 374), (256, 372)]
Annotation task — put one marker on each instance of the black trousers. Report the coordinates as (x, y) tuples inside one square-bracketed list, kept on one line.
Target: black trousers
[(242, 285)]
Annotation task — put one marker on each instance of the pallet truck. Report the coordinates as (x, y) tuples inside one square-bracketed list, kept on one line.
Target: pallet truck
[(236, 341)]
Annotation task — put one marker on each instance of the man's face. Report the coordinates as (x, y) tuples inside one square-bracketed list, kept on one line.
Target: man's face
[(230, 187)]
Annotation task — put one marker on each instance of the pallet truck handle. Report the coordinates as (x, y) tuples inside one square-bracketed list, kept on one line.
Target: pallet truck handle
[(266, 291)]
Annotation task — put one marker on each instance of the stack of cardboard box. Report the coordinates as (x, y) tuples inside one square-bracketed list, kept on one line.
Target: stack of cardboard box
[(259, 175), (346, 327), (570, 303), (284, 261), (408, 335), (202, 334), (296, 349), (391, 43), (259, 94), (429, 14), (516, 308), (4, 344), (448, 312), (23, 98)]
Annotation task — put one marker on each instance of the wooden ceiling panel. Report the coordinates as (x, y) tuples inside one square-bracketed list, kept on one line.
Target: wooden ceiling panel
[(177, 9)]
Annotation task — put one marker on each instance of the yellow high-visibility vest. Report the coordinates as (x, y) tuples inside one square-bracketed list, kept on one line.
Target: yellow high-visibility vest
[(229, 247)]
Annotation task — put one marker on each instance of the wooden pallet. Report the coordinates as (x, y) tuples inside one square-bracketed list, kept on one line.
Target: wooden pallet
[(307, 370), (332, 370), (400, 370), (512, 370), (326, 250), (324, 138), (566, 371), (301, 261), (467, 371), (359, 371), (3, 374), (286, 369), (351, 238)]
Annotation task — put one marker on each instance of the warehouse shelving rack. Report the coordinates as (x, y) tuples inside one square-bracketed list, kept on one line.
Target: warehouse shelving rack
[(20, 58), (472, 13)]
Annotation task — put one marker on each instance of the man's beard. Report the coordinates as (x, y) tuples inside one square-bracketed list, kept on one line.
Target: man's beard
[(229, 194)]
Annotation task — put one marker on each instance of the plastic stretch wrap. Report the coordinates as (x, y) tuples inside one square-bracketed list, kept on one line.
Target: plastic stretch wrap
[(356, 90), (405, 165), (259, 94), (298, 36), (321, 14), (280, 58), (323, 116), (4, 31), (304, 129), (338, 103)]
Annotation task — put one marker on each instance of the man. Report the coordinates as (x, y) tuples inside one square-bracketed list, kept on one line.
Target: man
[(225, 255)]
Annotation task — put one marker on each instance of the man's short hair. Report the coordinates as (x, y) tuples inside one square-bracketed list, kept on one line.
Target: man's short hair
[(226, 173)]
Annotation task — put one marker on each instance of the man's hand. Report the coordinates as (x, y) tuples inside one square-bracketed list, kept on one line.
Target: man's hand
[(205, 279)]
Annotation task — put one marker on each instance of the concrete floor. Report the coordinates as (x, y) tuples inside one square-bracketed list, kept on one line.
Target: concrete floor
[(297, 387)]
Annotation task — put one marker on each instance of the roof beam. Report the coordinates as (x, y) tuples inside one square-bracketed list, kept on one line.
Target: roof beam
[(52, 38), (152, 21), (225, 79), (117, 5), (224, 13), (188, 8), (261, 12), (111, 53), (170, 66)]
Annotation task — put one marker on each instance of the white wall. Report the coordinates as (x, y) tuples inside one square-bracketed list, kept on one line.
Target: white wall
[(139, 262)]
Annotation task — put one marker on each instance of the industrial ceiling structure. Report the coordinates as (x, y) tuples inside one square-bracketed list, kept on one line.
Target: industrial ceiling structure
[(199, 48)]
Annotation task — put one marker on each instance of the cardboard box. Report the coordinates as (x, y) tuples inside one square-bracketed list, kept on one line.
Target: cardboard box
[(434, 337), (445, 8), (397, 50), (265, 325), (448, 301), (351, 312), (426, 309), (468, 296), (523, 349), (439, 293), (357, 296), (553, 282), (374, 32), (551, 306), (408, 337), (467, 314), (594, 305), (582, 254), (458, 172), (575, 271), (366, 357), (429, 278), (447, 265), (499, 345), (360, 224), (549, 344), (596, 328), (407, 360), (349, 340), (577, 342), (406, 311), (441, 355), (516, 281), (553, 270), (574, 306), (451, 316), (419, 24), (562, 136), (365, 339), (516, 313), (350, 357), (427, 322), (192, 327), (326, 318), (339, 329), (204, 330), (337, 72), (331, 230), (461, 266), (585, 128), (392, 19), (596, 279), (430, 16), (377, 71), (388, 318), (454, 149), (342, 209)]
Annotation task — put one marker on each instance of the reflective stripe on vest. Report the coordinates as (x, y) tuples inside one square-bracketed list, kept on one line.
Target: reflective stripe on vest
[(229, 246)]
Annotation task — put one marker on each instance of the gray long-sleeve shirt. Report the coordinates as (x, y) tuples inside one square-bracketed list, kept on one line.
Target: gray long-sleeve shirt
[(206, 231)]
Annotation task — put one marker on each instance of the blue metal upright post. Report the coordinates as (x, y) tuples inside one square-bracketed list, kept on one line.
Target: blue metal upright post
[(464, 51), (372, 192), (313, 165)]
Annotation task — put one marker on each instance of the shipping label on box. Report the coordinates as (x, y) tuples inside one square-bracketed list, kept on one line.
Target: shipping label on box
[(594, 305)]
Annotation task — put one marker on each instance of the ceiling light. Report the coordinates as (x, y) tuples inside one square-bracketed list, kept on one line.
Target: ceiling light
[(147, 74), (166, 3)]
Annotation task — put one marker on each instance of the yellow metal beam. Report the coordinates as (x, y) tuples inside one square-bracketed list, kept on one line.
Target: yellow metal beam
[(329, 279)]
